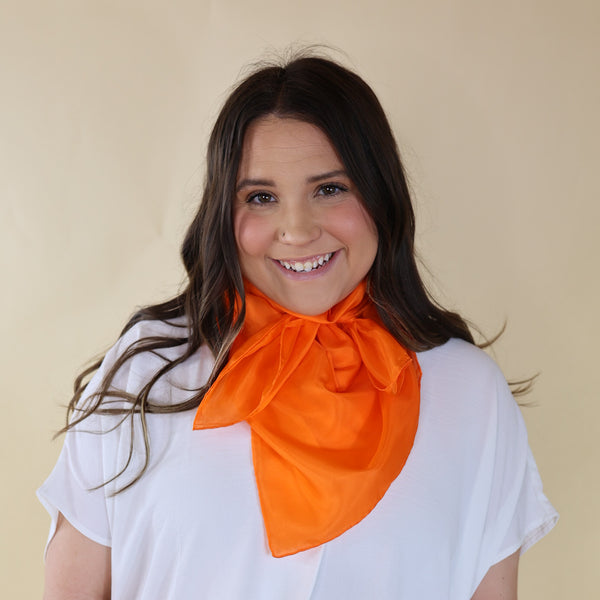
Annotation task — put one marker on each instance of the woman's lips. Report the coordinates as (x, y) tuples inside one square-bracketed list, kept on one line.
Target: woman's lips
[(306, 266)]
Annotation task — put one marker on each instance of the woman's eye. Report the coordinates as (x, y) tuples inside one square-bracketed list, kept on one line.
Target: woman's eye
[(331, 189), (260, 198)]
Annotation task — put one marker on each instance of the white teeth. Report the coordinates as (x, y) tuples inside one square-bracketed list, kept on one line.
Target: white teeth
[(307, 266)]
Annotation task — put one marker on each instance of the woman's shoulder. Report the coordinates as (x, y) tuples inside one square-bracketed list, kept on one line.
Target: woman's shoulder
[(459, 357), (146, 328), (148, 346), (461, 384), (461, 374)]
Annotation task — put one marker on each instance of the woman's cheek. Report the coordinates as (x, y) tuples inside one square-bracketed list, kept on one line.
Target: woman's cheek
[(353, 224), (252, 235)]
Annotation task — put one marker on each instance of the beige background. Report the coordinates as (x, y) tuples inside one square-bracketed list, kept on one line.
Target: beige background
[(104, 110)]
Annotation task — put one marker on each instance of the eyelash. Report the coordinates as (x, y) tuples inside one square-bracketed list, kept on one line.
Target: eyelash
[(253, 198), (338, 187)]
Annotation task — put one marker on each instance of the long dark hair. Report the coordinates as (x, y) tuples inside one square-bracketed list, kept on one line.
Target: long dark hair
[(333, 98)]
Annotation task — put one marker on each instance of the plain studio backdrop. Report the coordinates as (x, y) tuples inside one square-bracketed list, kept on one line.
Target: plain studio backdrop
[(105, 107)]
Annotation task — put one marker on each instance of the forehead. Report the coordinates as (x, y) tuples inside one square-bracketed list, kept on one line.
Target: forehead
[(273, 142)]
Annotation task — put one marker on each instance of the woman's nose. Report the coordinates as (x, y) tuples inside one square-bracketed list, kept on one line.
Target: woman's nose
[(298, 226)]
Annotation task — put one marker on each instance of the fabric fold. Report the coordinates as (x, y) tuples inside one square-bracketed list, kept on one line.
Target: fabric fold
[(333, 404)]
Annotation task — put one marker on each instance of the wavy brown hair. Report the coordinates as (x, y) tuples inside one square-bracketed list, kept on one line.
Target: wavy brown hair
[(336, 100)]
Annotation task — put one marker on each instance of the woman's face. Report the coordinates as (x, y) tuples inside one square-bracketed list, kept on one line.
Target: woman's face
[(303, 236)]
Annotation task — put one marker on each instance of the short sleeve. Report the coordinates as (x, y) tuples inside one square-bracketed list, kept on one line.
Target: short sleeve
[(75, 486), (518, 512), (533, 516), (96, 451), (72, 488)]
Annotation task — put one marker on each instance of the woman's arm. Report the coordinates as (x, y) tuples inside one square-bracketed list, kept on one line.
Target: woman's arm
[(500, 582), (76, 567)]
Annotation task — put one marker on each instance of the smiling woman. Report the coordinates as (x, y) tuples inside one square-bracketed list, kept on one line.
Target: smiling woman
[(303, 235), (303, 420)]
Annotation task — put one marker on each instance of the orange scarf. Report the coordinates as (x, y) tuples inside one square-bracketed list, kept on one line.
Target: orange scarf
[(333, 405)]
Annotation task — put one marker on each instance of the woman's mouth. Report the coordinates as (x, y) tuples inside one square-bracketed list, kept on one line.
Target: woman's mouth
[(307, 265)]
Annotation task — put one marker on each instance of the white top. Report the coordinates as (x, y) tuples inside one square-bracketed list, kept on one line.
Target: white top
[(469, 496)]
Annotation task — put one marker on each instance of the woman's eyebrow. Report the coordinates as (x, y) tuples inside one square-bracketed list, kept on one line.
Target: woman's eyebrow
[(249, 182), (328, 175), (253, 182)]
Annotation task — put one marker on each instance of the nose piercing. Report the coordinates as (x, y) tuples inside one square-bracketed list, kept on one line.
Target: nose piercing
[(282, 234)]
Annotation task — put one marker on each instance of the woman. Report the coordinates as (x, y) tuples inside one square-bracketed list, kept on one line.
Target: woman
[(303, 421)]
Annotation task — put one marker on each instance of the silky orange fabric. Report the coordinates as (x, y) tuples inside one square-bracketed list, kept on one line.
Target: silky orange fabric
[(333, 406)]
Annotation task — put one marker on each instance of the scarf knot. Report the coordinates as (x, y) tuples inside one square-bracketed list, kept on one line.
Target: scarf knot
[(332, 401)]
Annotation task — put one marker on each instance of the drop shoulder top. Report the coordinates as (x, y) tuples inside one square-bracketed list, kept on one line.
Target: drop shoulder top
[(468, 496)]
